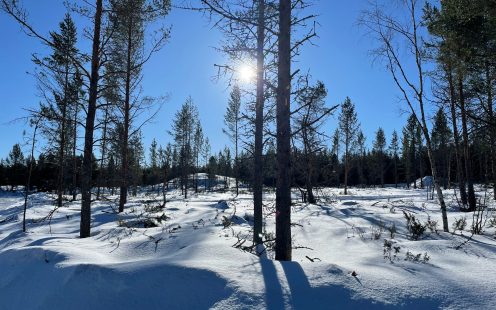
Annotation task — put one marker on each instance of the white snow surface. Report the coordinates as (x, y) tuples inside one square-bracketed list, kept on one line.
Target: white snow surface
[(189, 262)]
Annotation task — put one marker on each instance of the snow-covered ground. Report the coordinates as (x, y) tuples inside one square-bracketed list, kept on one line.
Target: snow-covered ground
[(188, 261)]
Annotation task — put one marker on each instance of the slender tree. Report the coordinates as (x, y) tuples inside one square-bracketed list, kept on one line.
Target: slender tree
[(388, 30), (379, 152), (394, 149), (283, 189), (310, 115), (441, 140), (348, 129), (232, 120), (183, 129)]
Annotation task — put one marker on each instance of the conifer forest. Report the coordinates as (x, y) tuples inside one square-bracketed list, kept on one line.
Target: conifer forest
[(248, 154)]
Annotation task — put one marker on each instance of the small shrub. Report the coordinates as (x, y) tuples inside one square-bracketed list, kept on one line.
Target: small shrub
[(376, 232), (226, 222), (415, 228), (459, 224), (492, 222), (431, 225), (122, 223), (392, 230), (359, 231), (417, 258), (152, 208), (149, 223), (390, 251)]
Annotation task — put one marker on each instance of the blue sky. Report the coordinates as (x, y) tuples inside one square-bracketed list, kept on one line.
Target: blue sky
[(185, 66)]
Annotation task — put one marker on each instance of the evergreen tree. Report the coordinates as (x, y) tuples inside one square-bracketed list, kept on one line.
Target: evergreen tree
[(361, 154), (232, 120), (154, 163), (310, 116), (379, 151), (197, 149), (348, 129), (183, 128), (441, 139), (16, 164), (394, 149), (60, 81)]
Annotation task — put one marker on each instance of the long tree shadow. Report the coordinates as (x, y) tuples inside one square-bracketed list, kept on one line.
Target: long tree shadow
[(302, 295), (274, 298)]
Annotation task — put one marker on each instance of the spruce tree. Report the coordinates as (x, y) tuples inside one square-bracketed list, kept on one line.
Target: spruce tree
[(232, 120), (441, 140), (61, 83), (394, 152), (379, 152), (348, 129)]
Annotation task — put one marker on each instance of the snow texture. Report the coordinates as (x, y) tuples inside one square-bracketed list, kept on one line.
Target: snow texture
[(182, 257)]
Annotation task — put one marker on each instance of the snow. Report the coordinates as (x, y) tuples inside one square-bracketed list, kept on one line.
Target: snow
[(188, 261)]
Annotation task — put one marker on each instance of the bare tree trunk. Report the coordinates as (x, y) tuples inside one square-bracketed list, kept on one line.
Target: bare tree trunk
[(468, 160), (395, 172), (414, 161), (492, 126), (381, 163), (86, 173), (259, 108), (283, 190), (309, 167), (165, 187), (127, 107), (381, 24), (236, 164), (456, 137), (74, 159), (421, 167), (104, 148), (62, 143), (28, 182), (346, 168)]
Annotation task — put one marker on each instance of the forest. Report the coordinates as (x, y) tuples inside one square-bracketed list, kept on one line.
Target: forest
[(311, 197)]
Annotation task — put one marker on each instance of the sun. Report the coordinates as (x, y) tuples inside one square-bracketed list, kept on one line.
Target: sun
[(246, 73)]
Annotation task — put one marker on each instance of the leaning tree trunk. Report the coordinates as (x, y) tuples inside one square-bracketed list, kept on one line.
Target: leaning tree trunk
[(259, 108), (283, 188), (437, 187), (86, 173)]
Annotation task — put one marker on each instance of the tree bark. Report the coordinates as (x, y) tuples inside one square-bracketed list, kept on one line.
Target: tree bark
[(259, 109), (104, 149), (86, 173), (74, 159), (456, 137), (309, 167), (125, 142), (62, 143), (466, 148), (492, 125), (283, 189), (28, 182), (346, 167)]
